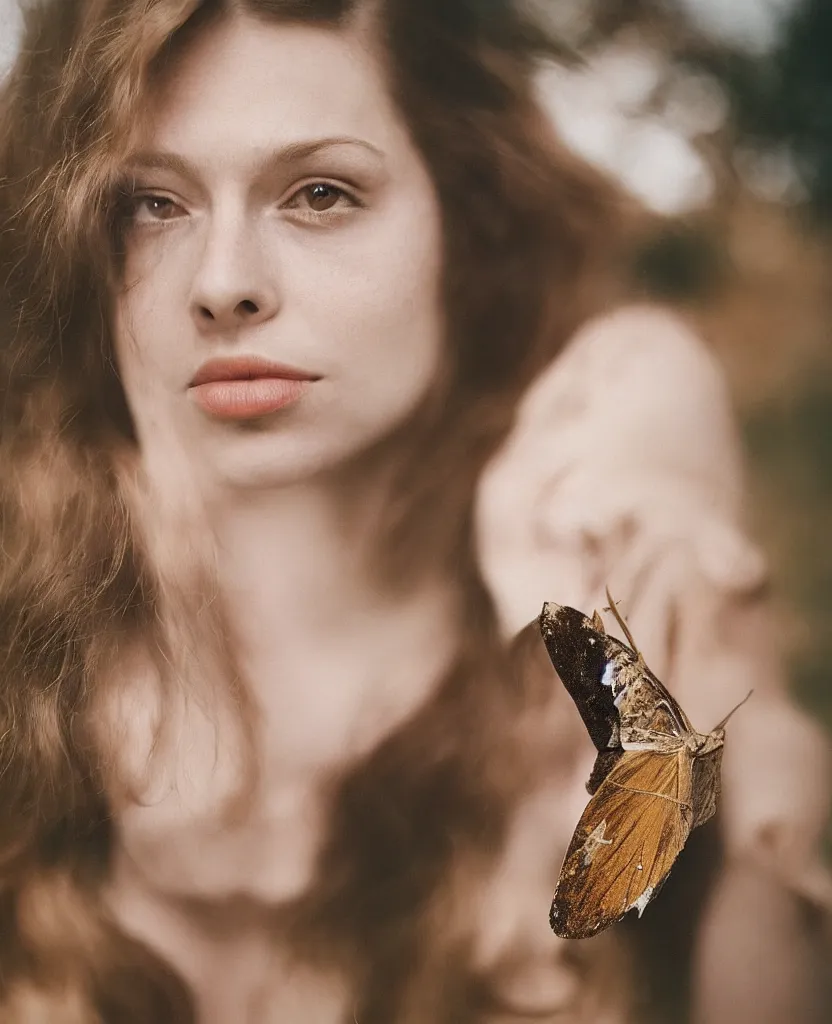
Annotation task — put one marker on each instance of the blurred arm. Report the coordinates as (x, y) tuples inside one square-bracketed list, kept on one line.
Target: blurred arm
[(627, 454)]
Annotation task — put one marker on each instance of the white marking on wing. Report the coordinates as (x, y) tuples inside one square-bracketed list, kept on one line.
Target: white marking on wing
[(643, 900)]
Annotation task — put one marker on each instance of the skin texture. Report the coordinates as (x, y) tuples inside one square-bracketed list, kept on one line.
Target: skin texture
[(230, 259), (230, 255)]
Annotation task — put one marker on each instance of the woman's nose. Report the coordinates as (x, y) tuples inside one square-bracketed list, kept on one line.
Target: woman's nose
[(235, 284)]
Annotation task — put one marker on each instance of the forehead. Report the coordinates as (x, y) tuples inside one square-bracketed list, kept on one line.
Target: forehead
[(251, 84)]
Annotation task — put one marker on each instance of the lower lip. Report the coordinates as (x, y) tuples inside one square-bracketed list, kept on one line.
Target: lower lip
[(247, 399)]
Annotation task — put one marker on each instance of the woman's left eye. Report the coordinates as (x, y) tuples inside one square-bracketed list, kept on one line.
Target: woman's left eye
[(319, 198)]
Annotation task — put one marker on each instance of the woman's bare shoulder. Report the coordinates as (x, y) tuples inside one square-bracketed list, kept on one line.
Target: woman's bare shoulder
[(639, 387), (627, 440)]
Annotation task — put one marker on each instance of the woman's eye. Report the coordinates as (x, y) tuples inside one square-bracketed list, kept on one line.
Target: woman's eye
[(320, 197), (151, 209)]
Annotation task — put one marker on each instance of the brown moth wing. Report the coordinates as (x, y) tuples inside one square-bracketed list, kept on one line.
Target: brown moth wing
[(706, 783), (625, 844), (648, 713)]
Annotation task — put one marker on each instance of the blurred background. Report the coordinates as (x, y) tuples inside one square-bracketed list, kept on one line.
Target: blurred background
[(716, 115)]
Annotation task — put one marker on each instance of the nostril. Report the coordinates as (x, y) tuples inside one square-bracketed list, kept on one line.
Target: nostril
[(247, 306)]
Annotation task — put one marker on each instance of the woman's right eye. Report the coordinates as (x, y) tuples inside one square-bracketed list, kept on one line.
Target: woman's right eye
[(148, 208)]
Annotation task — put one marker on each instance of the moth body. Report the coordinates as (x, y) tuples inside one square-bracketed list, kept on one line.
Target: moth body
[(655, 777)]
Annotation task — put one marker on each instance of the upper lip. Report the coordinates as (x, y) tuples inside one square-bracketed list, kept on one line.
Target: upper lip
[(246, 368)]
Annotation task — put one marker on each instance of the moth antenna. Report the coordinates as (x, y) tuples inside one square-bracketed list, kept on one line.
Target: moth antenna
[(620, 619), (724, 720)]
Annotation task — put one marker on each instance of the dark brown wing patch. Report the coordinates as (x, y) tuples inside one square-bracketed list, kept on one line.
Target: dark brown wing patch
[(625, 844), (580, 654)]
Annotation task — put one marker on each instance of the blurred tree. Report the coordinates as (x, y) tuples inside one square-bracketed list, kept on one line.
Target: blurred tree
[(784, 99)]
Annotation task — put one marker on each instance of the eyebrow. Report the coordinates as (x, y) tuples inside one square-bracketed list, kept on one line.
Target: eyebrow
[(294, 152)]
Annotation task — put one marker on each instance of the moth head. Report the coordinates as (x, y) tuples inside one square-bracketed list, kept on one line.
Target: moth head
[(702, 744)]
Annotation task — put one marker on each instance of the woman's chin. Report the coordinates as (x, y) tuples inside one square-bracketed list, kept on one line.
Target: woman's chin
[(264, 462)]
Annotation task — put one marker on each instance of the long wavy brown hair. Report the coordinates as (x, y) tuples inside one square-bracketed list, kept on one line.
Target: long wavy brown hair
[(83, 579)]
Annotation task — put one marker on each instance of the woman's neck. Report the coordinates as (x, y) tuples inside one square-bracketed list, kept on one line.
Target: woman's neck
[(335, 664), (335, 658), (295, 557)]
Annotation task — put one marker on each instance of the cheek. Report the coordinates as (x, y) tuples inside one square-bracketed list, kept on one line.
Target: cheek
[(145, 365), (142, 325), (390, 315), (150, 314)]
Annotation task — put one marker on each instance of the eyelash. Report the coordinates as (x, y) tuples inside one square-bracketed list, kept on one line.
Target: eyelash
[(133, 200)]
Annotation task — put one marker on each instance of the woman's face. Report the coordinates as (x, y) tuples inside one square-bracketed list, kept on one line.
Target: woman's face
[(281, 225)]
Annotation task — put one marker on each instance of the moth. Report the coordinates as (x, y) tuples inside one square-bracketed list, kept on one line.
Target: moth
[(655, 778)]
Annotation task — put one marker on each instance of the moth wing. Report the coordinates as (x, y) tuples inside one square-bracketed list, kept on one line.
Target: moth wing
[(604, 763), (706, 785), (580, 655), (669, 717), (610, 684), (625, 844)]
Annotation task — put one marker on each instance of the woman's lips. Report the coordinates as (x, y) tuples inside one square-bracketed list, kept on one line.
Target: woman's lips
[(243, 388), (247, 399)]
